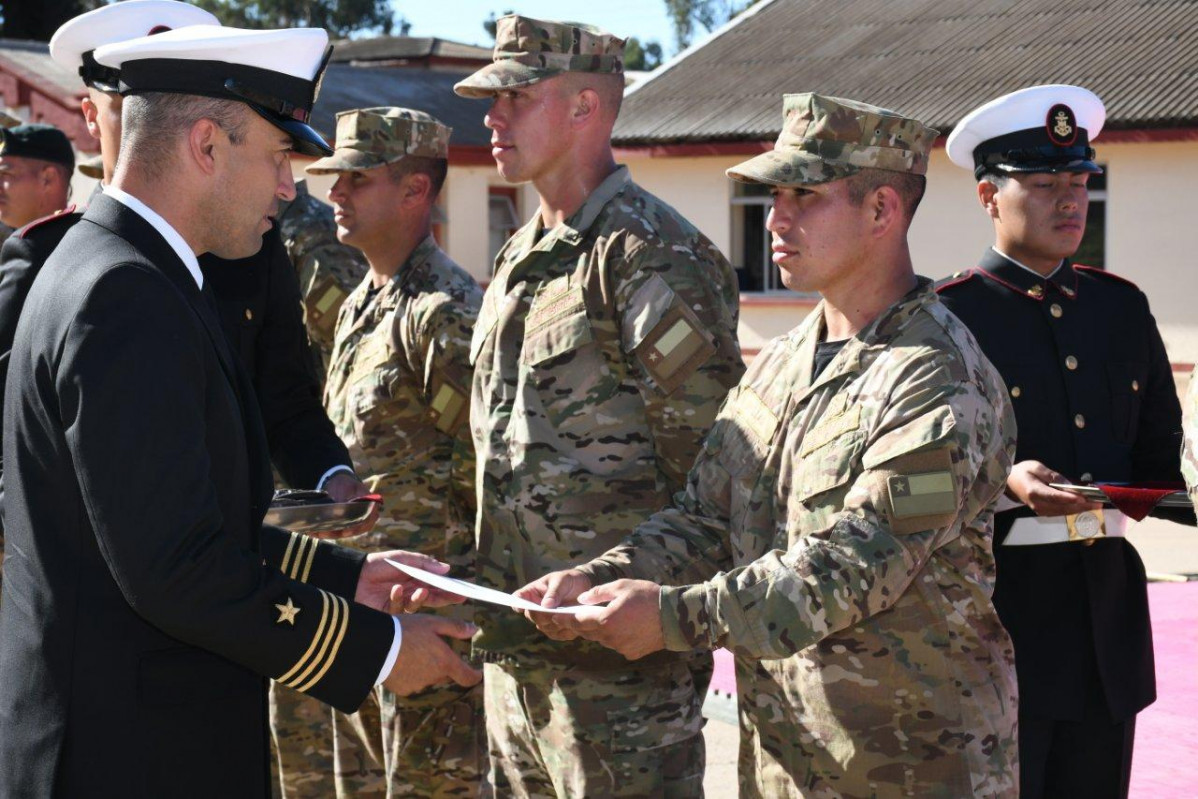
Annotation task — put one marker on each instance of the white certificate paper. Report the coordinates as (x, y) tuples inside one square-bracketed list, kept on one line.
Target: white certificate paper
[(478, 592)]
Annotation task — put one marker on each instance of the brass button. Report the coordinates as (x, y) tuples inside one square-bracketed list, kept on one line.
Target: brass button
[(1079, 421), (1087, 477), (1135, 385), (249, 315), (1016, 391), (1056, 311), (1071, 363), (1036, 291)]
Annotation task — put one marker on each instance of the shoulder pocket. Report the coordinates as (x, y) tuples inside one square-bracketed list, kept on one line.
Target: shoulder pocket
[(915, 486), (665, 335)]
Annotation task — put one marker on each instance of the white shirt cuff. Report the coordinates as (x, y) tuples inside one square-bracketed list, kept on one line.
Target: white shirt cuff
[(389, 663), (324, 477)]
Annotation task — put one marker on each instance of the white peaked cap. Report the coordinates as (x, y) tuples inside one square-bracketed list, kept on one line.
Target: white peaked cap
[(275, 72), (119, 22), (1032, 110)]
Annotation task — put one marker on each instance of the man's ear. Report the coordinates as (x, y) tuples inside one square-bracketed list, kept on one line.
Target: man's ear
[(988, 197), (90, 114), (203, 145), (419, 188), (886, 205), (586, 106)]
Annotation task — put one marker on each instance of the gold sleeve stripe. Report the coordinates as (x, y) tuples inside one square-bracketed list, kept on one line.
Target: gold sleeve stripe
[(330, 644), (287, 552), (328, 662), (310, 560), (324, 620), (329, 632), (301, 555)]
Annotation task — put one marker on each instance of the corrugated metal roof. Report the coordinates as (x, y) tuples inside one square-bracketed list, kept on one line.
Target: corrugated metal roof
[(347, 86), (382, 48), (932, 59), (33, 59)]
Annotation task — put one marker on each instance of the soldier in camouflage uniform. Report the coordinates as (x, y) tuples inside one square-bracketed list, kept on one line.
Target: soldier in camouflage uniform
[(328, 270), (835, 532), (398, 393), (606, 341)]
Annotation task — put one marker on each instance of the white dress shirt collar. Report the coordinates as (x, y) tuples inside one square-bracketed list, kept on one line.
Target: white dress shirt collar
[(163, 227)]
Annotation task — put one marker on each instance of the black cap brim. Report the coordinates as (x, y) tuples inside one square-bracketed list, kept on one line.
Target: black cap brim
[(1051, 166), (304, 139)]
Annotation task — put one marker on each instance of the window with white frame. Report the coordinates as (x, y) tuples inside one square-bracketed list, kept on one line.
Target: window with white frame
[(502, 219), (751, 254), (1092, 251)]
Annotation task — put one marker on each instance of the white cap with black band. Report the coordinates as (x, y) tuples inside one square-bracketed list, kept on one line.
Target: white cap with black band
[(275, 72)]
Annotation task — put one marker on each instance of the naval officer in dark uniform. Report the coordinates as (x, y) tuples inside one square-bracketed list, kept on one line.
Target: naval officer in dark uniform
[(144, 601), (1094, 401), (258, 297)]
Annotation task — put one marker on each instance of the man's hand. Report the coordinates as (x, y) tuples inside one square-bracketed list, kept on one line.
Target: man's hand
[(343, 487), (386, 588), (424, 659), (552, 591), (1028, 483), (630, 624)]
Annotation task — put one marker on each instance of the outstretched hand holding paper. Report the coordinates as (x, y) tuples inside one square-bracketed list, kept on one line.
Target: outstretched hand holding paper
[(477, 592)]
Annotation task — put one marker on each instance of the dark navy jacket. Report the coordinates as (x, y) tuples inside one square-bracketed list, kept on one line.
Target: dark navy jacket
[(1094, 399)]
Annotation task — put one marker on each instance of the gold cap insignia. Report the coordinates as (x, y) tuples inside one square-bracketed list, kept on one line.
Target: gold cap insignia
[(1061, 125)]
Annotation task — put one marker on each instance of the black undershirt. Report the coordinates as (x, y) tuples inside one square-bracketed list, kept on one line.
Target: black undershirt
[(825, 351)]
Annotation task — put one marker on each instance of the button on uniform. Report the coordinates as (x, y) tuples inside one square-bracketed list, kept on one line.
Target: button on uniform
[(1056, 311), (1016, 392), (1071, 363), (1079, 421)]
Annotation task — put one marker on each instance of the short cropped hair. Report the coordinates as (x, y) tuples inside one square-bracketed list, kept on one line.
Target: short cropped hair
[(910, 188), (609, 87), (999, 179), (151, 122), (435, 168)]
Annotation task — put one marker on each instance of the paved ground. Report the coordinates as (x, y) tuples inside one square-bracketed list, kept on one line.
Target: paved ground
[(1170, 551)]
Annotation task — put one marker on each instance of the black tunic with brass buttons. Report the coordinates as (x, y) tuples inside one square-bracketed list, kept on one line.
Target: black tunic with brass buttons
[(261, 312), (1095, 400)]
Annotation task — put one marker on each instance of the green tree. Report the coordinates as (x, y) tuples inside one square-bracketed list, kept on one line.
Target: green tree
[(709, 14), (641, 57), (38, 19), (340, 18), (490, 22)]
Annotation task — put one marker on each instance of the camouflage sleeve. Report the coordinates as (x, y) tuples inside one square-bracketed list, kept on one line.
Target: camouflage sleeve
[(677, 310), (686, 542), (925, 471), (438, 342)]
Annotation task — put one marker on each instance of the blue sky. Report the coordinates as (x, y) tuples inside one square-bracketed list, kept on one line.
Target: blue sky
[(462, 20)]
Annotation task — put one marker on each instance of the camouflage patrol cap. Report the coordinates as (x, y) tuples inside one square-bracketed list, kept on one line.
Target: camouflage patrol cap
[(374, 137), (827, 138), (530, 50)]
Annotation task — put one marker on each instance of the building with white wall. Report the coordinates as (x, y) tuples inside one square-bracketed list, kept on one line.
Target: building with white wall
[(721, 102)]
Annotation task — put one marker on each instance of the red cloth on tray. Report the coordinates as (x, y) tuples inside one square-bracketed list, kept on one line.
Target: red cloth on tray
[(1137, 501)]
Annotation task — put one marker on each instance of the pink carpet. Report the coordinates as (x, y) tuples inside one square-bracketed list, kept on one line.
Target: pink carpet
[(1166, 756)]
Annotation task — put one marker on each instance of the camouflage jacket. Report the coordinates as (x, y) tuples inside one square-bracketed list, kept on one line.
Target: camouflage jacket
[(603, 349), (398, 394), (1189, 443), (328, 270), (836, 536)]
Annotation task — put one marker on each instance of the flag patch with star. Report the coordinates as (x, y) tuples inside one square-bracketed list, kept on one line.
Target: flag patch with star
[(923, 494)]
